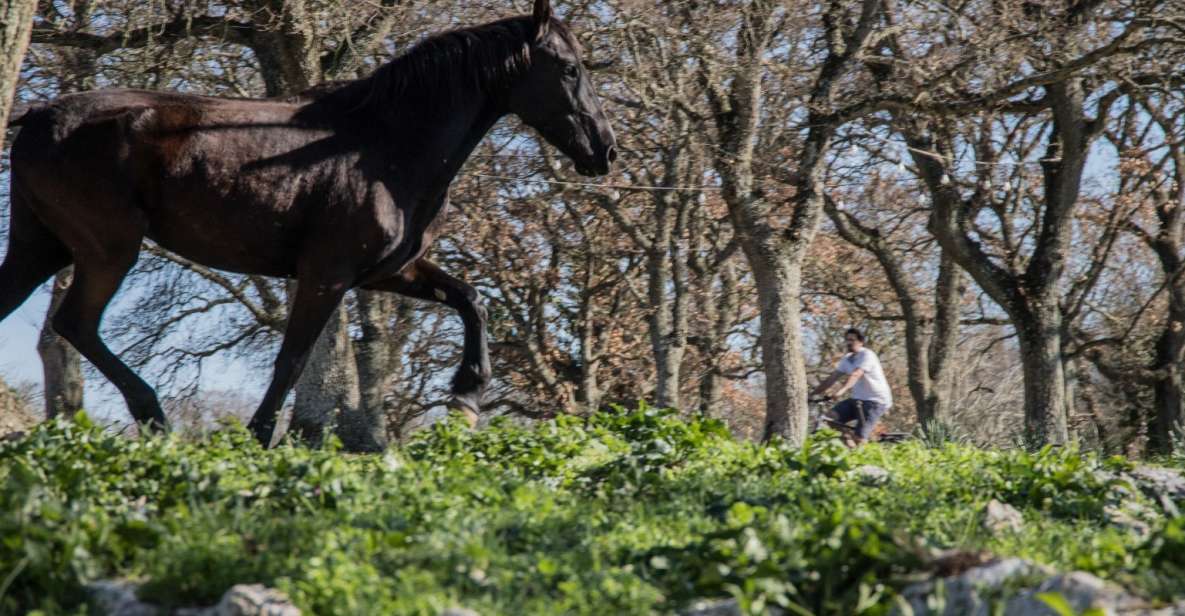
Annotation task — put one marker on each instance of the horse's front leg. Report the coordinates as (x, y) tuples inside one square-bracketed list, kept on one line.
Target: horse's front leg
[(314, 304), (425, 280)]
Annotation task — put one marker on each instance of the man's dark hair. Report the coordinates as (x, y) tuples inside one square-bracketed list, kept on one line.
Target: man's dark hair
[(855, 332)]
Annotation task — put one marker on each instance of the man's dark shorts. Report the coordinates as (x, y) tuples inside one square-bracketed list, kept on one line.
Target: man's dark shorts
[(850, 410)]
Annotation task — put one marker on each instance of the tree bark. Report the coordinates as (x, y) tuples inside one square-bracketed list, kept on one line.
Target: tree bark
[(779, 283), (327, 392), (16, 24), (944, 339), (377, 372), (286, 47), (1169, 391), (666, 343), (60, 362), (1040, 338), (722, 318)]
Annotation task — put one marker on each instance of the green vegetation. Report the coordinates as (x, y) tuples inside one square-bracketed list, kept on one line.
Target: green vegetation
[(623, 513)]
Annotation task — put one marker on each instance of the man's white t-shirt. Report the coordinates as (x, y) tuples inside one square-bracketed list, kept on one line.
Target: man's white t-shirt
[(872, 385)]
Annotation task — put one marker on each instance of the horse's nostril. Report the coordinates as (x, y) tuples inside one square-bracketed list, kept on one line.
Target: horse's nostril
[(612, 154)]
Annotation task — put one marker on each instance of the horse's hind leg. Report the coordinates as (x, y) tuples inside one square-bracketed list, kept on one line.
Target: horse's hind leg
[(34, 255), (77, 320), (425, 280)]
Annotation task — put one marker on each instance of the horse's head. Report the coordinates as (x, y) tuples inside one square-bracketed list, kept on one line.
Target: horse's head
[(555, 97)]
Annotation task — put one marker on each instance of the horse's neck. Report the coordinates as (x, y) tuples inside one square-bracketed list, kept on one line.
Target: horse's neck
[(435, 146)]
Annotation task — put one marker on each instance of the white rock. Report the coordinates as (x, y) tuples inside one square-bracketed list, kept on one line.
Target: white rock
[(1082, 591), (116, 598), (1163, 485), (459, 611), (253, 600), (1010, 587), (999, 517), (970, 592), (870, 475), (723, 607), (1133, 517)]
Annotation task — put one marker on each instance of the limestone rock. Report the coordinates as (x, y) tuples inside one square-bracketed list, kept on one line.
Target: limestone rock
[(1001, 517), (1163, 485), (249, 600), (870, 475), (118, 598), (459, 611), (1013, 587), (723, 607)]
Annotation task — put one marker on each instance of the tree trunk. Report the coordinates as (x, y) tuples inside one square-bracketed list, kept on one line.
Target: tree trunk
[(367, 431), (327, 391), (1045, 382), (722, 317), (667, 319), (61, 364), (286, 47), (16, 24), (1168, 424), (1169, 390), (917, 359), (590, 358), (779, 281), (944, 339), (668, 350)]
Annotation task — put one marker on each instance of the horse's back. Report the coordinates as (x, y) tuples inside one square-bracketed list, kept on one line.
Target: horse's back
[(239, 184), (132, 157), (135, 111)]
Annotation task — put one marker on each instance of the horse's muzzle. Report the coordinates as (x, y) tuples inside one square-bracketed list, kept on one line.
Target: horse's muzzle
[(602, 165)]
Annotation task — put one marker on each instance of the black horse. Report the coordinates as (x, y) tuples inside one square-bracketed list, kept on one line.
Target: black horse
[(340, 187)]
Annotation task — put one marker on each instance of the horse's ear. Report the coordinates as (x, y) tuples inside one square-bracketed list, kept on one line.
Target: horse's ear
[(542, 15)]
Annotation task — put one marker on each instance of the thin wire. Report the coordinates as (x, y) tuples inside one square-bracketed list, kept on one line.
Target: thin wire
[(639, 187), (642, 187)]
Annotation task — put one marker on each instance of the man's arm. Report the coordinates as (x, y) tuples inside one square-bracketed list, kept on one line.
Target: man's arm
[(826, 384), (850, 383)]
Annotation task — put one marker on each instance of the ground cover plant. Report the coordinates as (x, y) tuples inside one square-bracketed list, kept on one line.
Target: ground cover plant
[(627, 512)]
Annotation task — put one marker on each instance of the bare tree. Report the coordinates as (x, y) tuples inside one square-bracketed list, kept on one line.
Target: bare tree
[(775, 234), (1063, 104), (1148, 140), (16, 22)]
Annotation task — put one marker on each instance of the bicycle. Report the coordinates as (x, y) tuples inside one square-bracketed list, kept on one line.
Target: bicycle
[(819, 420)]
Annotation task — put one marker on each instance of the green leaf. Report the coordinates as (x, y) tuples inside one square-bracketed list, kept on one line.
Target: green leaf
[(1056, 602)]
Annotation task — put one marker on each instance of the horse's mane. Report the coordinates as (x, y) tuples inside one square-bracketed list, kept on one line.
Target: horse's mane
[(449, 64)]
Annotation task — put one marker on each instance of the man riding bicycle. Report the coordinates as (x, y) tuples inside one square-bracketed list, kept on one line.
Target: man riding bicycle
[(871, 397)]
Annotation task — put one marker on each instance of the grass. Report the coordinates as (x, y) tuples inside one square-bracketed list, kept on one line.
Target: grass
[(627, 513)]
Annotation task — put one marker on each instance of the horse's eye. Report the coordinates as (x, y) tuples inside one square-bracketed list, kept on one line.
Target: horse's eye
[(570, 70)]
